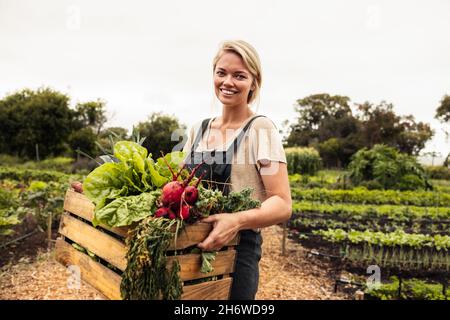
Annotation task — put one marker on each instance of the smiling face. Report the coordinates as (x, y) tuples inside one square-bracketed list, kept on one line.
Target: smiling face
[(232, 80)]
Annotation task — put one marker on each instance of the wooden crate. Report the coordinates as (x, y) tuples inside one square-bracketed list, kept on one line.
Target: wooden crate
[(109, 245)]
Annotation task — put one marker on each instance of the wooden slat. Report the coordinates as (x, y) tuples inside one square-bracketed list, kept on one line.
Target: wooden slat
[(194, 234), (94, 273), (78, 204), (108, 282), (100, 243), (190, 265), (114, 251), (212, 290)]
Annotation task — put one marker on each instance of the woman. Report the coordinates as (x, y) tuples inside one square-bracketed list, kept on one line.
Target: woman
[(241, 149)]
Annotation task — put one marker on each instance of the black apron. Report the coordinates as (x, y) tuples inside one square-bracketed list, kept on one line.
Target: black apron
[(217, 166)]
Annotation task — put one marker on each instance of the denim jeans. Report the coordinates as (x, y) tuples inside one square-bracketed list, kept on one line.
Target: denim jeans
[(246, 275)]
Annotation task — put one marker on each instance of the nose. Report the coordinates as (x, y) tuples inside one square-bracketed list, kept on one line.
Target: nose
[(228, 81)]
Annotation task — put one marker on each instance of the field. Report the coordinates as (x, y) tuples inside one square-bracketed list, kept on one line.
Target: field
[(335, 234), (403, 235)]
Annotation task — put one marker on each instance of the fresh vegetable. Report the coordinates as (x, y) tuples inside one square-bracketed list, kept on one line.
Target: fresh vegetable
[(207, 259), (174, 193), (173, 198), (126, 210), (135, 173), (133, 189), (77, 186), (147, 276)]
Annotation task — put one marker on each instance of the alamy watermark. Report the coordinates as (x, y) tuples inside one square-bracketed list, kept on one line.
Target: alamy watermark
[(373, 281), (74, 278)]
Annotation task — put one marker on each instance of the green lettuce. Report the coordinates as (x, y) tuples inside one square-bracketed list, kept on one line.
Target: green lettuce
[(105, 184), (125, 210), (134, 174)]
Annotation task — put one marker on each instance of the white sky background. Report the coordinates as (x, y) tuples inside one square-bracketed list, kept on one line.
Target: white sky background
[(145, 56)]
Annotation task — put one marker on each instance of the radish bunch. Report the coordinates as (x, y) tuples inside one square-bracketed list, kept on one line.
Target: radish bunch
[(178, 197)]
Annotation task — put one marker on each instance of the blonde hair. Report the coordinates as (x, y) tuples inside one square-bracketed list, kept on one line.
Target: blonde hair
[(251, 61)]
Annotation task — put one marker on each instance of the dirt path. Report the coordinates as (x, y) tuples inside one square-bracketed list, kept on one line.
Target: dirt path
[(282, 277), (293, 276)]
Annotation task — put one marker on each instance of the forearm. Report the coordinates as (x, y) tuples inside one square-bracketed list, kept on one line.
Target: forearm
[(273, 210)]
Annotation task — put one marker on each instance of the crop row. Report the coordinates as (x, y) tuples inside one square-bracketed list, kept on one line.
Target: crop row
[(377, 197), (362, 211)]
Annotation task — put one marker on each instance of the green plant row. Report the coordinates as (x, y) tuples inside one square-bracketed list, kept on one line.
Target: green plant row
[(411, 289), (307, 223), (397, 238), (39, 198), (27, 175), (362, 211), (364, 196)]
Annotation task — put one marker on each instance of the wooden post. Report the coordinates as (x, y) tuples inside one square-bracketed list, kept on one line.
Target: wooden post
[(49, 229), (37, 152), (283, 244)]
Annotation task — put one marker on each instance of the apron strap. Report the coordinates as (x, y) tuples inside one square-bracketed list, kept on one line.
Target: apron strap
[(200, 133), (233, 148)]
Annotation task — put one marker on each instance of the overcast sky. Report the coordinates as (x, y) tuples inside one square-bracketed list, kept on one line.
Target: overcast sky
[(145, 56)]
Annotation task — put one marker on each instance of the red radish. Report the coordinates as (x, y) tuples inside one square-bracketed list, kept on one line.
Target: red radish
[(77, 186), (190, 194), (171, 194), (184, 212), (178, 195), (172, 215), (161, 212)]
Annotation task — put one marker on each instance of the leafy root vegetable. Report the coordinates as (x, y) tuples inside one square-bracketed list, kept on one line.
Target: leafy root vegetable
[(179, 196), (77, 186)]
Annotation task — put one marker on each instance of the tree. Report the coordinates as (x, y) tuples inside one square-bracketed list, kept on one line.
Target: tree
[(120, 132), (92, 114), (159, 129), (84, 140), (326, 122), (443, 111), (380, 124), (31, 118), (443, 114), (313, 111)]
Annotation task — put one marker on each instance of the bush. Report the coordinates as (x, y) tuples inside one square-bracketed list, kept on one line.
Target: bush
[(303, 160), (7, 160), (27, 175), (438, 172), (388, 168), (61, 164)]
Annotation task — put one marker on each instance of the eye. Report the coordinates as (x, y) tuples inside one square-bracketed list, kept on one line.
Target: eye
[(220, 73)]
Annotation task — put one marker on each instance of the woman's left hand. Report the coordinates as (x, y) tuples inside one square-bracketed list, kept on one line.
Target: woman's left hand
[(225, 228)]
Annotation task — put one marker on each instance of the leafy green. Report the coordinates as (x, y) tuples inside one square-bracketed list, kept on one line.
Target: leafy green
[(110, 185), (124, 211), (147, 276), (207, 258), (105, 184), (129, 151)]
